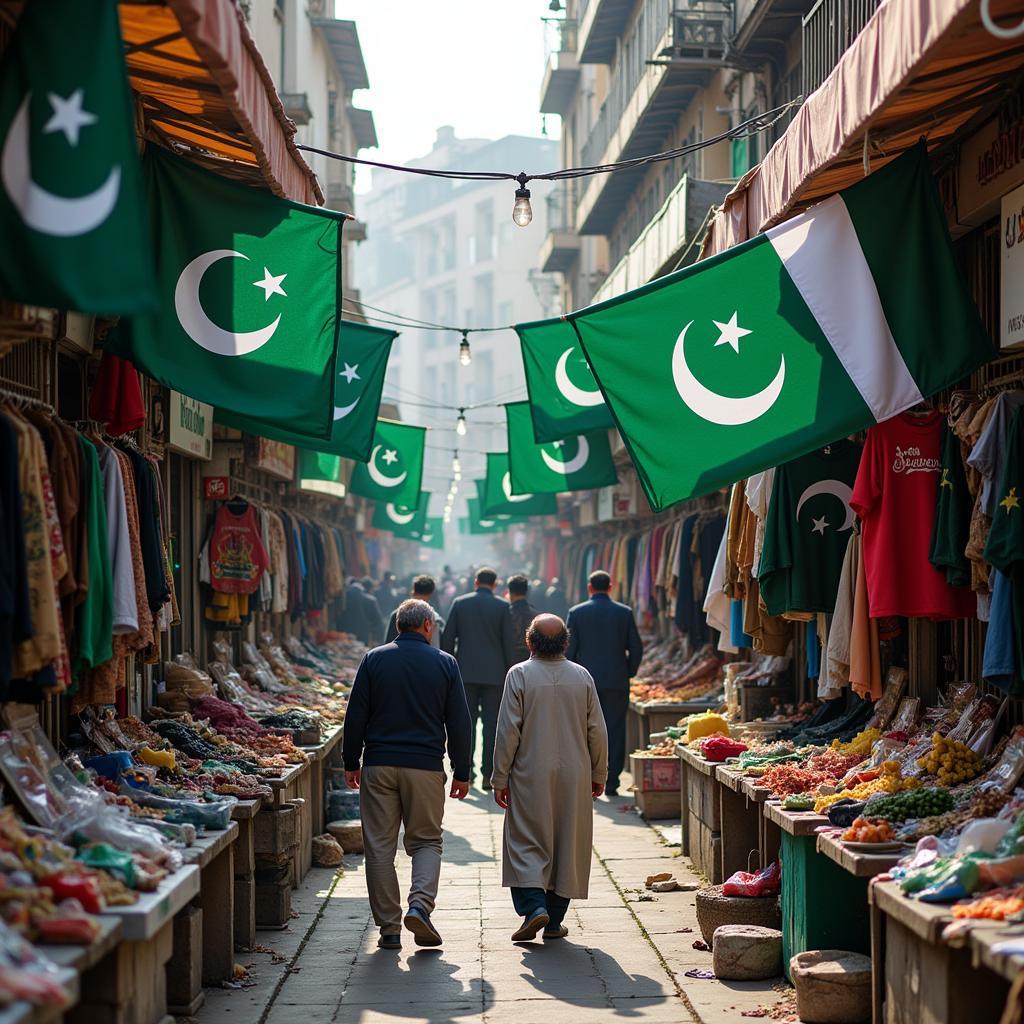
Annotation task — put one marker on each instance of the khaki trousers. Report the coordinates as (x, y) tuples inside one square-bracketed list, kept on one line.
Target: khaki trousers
[(390, 797)]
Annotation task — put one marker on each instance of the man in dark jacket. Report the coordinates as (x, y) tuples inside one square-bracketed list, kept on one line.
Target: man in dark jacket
[(423, 589), (554, 599), (479, 633), (361, 616), (603, 638), (406, 700), (522, 612)]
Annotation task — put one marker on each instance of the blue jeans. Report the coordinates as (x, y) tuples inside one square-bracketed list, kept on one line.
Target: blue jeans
[(528, 901)]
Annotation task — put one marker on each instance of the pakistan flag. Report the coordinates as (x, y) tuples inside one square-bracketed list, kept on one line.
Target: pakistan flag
[(250, 299), (478, 523), (72, 212), (577, 463), (404, 523), (363, 353), (394, 471), (836, 319), (564, 398), (497, 496), (432, 534)]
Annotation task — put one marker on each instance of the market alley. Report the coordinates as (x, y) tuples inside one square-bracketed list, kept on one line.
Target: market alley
[(625, 957)]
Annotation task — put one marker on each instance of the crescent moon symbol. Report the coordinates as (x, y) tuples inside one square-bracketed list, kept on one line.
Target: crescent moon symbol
[(487, 523), (398, 517), (569, 390), (341, 411), (379, 478), (836, 487), (41, 210), (716, 408), (198, 326), (574, 465), (506, 486)]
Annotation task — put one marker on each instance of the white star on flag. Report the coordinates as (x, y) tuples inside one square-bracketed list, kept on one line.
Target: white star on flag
[(349, 373), (271, 285), (68, 116), (390, 456), (558, 444), (819, 525), (730, 333)]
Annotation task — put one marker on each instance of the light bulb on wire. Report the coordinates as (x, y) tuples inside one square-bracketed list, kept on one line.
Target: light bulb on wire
[(457, 475), (456, 465), (522, 212), (460, 426), (465, 355)]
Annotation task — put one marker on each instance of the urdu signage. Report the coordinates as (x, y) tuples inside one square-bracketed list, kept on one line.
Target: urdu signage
[(190, 427)]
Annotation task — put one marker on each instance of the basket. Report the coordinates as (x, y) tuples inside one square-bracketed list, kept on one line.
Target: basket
[(714, 909)]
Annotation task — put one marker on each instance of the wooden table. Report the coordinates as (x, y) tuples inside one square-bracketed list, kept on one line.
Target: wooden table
[(769, 835), (647, 718), (921, 979), (739, 818), (320, 757), (856, 862), (703, 811), (293, 786), (244, 884), (214, 853)]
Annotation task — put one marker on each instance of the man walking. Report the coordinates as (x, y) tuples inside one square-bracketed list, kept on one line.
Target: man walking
[(522, 612), (361, 615), (554, 599), (550, 763), (423, 590), (406, 699), (603, 638), (479, 634)]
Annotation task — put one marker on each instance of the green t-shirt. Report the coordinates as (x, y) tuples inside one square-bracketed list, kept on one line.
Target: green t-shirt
[(808, 529), (95, 622), (952, 515)]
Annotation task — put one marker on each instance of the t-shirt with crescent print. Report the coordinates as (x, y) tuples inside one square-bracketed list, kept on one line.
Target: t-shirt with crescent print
[(895, 496), (808, 529)]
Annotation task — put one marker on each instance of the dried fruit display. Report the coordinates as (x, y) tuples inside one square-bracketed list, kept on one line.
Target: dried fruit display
[(868, 830)]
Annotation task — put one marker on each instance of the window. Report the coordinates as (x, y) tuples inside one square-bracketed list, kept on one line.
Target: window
[(506, 313), (483, 300), (483, 232), (446, 240)]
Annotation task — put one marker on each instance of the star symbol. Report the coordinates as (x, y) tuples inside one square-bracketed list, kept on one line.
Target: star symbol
[(558, 444), (390, 456), (730, 333), (68, 116), (819, 525), (349, 373), (1011, 501), (271, 285), (945, 481)]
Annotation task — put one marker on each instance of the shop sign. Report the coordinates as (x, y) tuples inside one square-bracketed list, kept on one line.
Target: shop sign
[(215, 488), (991, 163), (615, 502), (190, 429), (275, 458), (1011, 269)]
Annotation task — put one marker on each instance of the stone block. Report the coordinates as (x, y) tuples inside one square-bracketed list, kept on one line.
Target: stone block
[(833, 986), (747, 952)]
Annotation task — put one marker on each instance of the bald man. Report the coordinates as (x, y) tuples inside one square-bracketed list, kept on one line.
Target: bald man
[(550, 763)]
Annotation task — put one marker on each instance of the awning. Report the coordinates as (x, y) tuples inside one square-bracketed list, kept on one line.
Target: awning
[(919, 68), (202, 83)]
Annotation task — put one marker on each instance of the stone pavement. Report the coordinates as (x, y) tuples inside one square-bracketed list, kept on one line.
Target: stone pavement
[(624, 960)]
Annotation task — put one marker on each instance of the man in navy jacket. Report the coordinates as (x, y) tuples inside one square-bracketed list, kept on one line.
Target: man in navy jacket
[(407, 700), (603, 638)]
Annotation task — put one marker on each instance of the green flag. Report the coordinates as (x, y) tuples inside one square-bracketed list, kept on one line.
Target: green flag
[(432, 535), (497, 496), (516, 516), (578, 463), (72, 213), (564, 398), (250, 294), (841, 317), (483, 524), (359, 379), (406, 523), (320, 472), (394, 470)]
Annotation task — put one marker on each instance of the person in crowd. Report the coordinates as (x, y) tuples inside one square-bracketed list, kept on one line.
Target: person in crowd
[(479, 633), (555, 600), (423, 588), (538, 594), (376, 616), (603, 638), (550, 716), (389, 591), (361, 614), (522, 612), (407, 699)]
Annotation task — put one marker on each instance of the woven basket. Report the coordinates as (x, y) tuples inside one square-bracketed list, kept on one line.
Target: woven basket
[(714, 909)]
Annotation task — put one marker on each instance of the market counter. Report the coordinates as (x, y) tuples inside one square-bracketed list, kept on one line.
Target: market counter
[(769, 835), (320, 757), (701, 807), (857, 863), (739, 821), (645, 719)]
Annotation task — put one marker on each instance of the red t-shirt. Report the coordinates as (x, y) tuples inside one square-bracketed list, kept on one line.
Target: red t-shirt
[(237, 556), (895, 495)]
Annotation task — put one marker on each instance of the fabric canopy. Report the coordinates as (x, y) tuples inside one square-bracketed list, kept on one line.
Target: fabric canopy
[(919, 68)]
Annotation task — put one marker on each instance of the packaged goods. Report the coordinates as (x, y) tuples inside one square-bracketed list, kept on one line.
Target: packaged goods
[(765, 882), (704, 725)]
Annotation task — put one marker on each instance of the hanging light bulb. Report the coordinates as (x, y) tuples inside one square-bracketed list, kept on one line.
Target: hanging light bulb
[(457, 475), (522, 212), (465, 356), (456, 465), (460, 426)]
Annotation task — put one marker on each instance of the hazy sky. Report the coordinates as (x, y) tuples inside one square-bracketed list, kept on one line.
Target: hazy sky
[(474, 64)]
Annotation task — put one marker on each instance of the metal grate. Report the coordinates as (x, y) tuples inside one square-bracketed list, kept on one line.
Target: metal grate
[(23, 369), (828, 31)]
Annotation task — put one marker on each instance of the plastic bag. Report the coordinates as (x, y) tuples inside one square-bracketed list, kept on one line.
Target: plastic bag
[(25, 974), (765, 882)]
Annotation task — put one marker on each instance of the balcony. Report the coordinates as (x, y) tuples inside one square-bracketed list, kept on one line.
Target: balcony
[(602, 23), (561, 247), (363, 129), (339, 196), (828, 31), (296, 106), (670, 55), (764, 27), (561, 70)]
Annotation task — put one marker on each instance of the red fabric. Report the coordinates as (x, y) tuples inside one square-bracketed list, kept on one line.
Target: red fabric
[(895, 495), (116, 398), (237, 556)]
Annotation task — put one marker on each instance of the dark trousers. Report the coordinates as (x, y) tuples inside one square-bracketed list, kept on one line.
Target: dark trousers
[(528, 901), (484, 702), (615, 704)]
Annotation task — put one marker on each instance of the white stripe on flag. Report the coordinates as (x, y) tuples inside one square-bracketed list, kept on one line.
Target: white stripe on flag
[(822, 254)]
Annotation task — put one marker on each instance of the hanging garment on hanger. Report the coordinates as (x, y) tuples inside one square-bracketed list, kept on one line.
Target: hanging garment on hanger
[(15, 601)]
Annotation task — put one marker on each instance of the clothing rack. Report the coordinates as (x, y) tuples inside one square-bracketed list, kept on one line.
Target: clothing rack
[(26, 401)]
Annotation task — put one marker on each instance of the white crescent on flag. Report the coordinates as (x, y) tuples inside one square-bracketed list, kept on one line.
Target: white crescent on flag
[(382, 479), (574, 465), (570, 392)]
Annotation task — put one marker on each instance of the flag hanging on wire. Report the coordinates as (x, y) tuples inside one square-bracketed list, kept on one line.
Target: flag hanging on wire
[(836, 319), (72, 210), (394, 471), (478, 523), (405, 523), (564, 398), (577, 463), (497, 496), (432, 534)]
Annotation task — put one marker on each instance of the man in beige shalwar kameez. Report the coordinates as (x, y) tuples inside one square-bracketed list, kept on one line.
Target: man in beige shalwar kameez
[(550, 763)]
